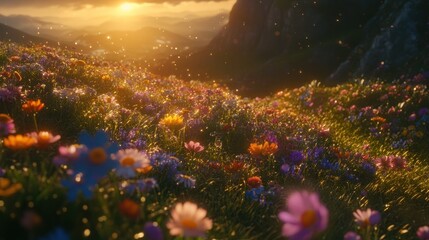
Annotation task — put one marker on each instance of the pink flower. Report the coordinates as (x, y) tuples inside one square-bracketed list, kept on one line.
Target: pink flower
[(352, 236), (423, 233), (305, 217), (366, 218), (194, 146), (189, 221)]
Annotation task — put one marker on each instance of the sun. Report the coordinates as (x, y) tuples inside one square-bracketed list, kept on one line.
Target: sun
[(127, 7)]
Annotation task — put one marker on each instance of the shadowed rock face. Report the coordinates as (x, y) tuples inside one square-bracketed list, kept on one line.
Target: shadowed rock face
[(269, 44)]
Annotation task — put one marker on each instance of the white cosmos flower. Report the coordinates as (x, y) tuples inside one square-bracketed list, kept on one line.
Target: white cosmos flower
[(130, 160), (189, 221)]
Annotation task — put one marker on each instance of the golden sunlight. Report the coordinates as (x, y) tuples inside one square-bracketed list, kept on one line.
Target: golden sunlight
[(126, 7)]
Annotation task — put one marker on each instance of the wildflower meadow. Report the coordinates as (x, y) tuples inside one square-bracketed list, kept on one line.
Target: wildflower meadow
[(96, 149)]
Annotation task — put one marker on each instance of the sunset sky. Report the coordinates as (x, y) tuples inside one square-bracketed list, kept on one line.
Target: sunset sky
[(80, 13)]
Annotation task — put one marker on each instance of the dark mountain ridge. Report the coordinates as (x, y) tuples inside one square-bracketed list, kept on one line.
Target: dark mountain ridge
[(270, 44)]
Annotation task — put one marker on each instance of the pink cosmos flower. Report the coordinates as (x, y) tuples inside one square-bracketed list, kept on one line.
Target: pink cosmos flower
[(368, 217), (189, 221), (194, 146), (423, 233), (352, 236), (305, 217)]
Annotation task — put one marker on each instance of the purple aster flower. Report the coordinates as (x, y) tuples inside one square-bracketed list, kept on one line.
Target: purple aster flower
[(10, 93), (352, 236), (423, 233), (423, 111), (306, 216), (368, 217), (187, 181), (6, 125), (165, 163), (141, 185), (152, 231), (296, 157)]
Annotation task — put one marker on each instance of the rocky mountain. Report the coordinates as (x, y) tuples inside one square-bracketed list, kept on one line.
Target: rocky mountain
[(269, 44)]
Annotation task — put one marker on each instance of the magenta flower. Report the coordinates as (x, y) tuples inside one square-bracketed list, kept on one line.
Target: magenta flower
[(194, 146), (366, 218), (305, 217), (352, 236), (423, 233)]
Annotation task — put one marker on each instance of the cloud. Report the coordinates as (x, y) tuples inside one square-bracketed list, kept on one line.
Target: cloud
[(83, 3)]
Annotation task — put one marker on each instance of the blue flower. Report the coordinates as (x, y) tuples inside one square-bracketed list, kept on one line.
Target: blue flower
[(165, 163), (255, 193), (57, 234), (152, 231), (91, 165)]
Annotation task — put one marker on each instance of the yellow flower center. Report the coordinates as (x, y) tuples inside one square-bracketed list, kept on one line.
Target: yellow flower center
[(189, 223), (128, 161), (97, 155), (308, 218)]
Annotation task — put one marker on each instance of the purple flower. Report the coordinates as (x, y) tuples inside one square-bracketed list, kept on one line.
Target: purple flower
[(187, 181), (6, 125), (423, 233), (10, 93), (296, 157), (305, 217), (368, 217), (152, 231), (352, 236), (423, 111), (141, 185)]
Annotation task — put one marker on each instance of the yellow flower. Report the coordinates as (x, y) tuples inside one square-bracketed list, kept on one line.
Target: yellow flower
[(32, 106), (19, 142), (262, 149), (7, 189), (173, 121)]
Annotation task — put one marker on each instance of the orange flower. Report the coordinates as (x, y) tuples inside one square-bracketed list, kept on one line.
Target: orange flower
[(7, 189), (129, 208), (264, 149), (144, 170), (44, 139), (378, 119), (32, 106), (19, 142), (17, 76), (254, 182)]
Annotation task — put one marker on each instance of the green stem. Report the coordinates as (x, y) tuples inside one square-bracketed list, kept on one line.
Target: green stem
[(35, 122)]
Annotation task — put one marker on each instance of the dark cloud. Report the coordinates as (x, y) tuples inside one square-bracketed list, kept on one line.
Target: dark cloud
[(81, 3)]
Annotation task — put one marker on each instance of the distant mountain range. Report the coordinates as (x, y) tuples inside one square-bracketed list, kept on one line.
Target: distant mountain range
[(154, 38), (9, 34)]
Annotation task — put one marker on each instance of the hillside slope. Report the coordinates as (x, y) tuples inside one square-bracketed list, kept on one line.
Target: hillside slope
[(284, 43)]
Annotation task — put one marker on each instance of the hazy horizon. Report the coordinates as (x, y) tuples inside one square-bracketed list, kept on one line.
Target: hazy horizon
[(126, 13)]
